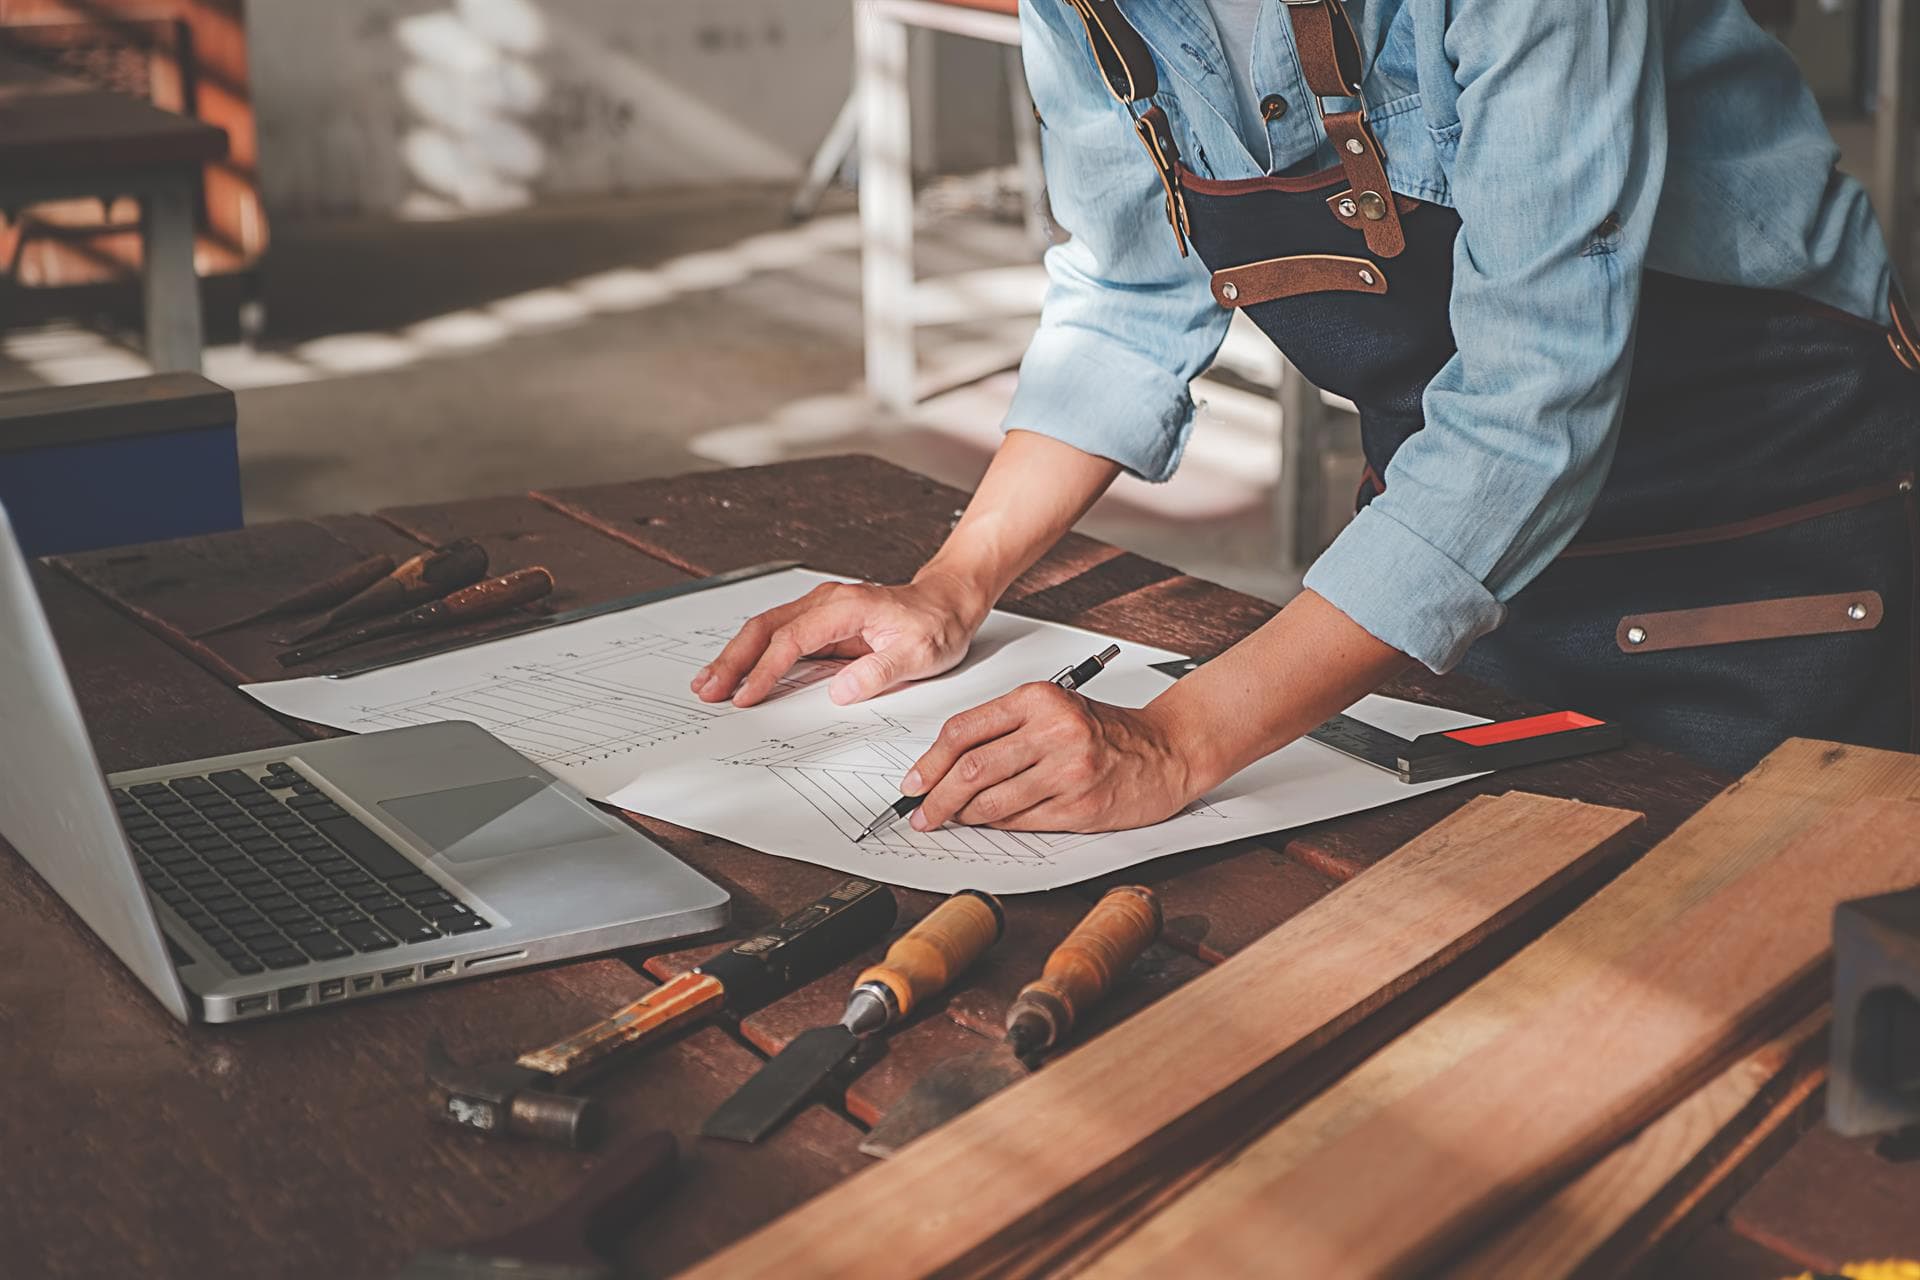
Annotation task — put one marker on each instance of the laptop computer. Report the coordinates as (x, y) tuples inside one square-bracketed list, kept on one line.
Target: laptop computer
[(251, 885)]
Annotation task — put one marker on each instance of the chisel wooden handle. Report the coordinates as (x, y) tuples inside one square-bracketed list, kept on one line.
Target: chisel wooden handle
[(1082, 969), (482, 600), (427, 576), (934, 952), (688, 996), (332, 590)]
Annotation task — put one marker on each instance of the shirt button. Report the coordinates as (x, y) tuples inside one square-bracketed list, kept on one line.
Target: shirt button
[(1272, 107)]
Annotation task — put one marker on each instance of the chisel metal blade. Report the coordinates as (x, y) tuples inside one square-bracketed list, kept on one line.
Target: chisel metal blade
[(783, 1086), (952, 1087)]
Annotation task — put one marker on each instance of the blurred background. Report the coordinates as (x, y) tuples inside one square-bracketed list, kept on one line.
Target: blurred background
[(459, 247)]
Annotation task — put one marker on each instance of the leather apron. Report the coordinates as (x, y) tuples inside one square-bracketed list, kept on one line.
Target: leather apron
[(1748, 572)]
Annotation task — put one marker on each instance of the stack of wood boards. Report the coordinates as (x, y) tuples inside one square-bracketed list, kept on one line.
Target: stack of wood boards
[(1081, 1130), (1683, 997), (1636, 998)]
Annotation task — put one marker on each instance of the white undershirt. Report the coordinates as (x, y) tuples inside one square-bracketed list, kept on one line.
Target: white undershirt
[(1236, 20)]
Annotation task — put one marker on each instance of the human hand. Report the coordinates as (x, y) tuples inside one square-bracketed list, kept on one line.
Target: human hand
[(893, 633), (1044, 759)]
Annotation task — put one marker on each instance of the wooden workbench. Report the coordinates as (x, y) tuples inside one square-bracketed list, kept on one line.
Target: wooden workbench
[(302, 1147)]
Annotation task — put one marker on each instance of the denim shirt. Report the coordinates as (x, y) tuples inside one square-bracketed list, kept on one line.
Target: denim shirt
[(1580, 143)]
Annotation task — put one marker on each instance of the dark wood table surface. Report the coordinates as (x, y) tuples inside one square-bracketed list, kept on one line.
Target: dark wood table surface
[(302, 1146)]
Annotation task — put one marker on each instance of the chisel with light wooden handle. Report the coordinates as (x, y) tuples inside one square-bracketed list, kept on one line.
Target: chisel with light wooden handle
[(920, 965), (1082, 969)]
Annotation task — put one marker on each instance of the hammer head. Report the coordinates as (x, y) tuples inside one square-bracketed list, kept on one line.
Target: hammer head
[(504, 1100)]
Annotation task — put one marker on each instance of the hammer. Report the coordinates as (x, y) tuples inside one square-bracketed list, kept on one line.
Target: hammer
[(524, 1098)]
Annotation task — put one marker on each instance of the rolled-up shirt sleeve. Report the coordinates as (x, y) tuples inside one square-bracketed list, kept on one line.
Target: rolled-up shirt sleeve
[(1127, 323), (1559, 153)]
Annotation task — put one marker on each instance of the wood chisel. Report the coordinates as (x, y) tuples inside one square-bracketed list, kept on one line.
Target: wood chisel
[(525, 1098), (427, 576), (561, 619), (575, 1239), (915, 969), (1454, 753), (482, 600), (1077, 975)]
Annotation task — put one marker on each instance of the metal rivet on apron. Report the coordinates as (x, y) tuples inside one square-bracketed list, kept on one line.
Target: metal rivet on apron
[(1229, 291), (1372, 207), (1856, 611), (1356, 146), (1366, 276), (1636, 635), (1906, 486), (1348, 209)]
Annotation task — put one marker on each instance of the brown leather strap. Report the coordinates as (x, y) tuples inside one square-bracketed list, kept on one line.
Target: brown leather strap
[(1753, 620), (1125, 60), (1901, 334), (1329, 50), (1366, 169), (1259, 282)]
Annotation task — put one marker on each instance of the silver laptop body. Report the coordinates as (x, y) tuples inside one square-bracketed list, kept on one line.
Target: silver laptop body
[(440, 833)]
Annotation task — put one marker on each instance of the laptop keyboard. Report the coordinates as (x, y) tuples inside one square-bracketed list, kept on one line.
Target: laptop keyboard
[(272, 874)]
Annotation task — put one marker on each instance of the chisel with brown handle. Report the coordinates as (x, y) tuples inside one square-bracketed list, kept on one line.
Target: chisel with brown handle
[(427, 576), (918, 967), (1078, 974), (470, 604), (330, 590)]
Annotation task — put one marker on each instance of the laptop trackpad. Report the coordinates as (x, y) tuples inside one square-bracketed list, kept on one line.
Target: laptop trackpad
[(494, 819)]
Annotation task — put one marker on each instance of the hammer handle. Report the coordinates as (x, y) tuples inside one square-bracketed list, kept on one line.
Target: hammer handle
[(1082, 969), (934, 952), (687, 997)]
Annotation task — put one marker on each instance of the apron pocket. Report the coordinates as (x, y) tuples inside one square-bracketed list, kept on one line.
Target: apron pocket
[(1747, 631)]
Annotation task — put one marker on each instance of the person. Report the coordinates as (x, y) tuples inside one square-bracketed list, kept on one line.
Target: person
[(1638, 395)]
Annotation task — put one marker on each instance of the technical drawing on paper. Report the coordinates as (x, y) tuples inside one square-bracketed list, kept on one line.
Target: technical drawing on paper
[(849, 772), (575, 707)]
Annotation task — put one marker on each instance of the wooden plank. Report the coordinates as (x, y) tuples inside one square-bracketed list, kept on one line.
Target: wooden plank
[(1800, 784), (1423, 1174), (1644, 1190), (1833, 1200), (1718, 1254), (1070, 1135)]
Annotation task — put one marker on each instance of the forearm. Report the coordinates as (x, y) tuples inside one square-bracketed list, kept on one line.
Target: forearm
[(1305, 664), (1033, 492)]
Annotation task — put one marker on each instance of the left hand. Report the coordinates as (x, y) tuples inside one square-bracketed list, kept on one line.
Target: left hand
[(1044, 759)]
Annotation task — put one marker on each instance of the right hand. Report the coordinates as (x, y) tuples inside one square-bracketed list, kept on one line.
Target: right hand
[(892, 633)]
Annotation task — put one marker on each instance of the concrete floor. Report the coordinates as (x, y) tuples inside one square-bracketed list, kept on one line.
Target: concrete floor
[(410, 362)]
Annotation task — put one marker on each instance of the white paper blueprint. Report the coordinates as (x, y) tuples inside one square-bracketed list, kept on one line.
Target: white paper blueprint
[(604, 703)]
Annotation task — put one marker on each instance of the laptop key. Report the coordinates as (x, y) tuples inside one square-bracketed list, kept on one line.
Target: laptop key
[(324, 946), (307, 844), (429, 897), (366, 937), (273, 902), (147, 790), (247, 965), (375, 854), (414, 883), (305, 797), (321, 812), (362, 892), (315, 894), (465, 924), (405, 925), (257, 929), (232, 916), (306, 928), (342, 915), (289, 915), (233, 782), (374, 906), (257, 802), (282, 959), (444, 911)]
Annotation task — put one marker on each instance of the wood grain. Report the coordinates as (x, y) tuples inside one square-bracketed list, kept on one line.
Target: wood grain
[(1069, 1135), (1797, 786), (1420, 1176), (1834, 1200), (1615, 1208)]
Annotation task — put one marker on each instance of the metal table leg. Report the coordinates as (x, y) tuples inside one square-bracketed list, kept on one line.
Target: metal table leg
[(172, 289)]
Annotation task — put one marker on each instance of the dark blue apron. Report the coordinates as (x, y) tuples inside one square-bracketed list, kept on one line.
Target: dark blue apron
[(1748, 572)]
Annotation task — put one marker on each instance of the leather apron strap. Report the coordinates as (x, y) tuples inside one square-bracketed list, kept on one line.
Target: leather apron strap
[(1126, 65), (1330, 60)]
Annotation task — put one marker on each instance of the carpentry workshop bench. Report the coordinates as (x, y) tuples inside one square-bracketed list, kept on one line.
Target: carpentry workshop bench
[(301, 1146)]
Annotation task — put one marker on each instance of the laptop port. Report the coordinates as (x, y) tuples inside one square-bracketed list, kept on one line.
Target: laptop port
[(292, 997), (362, 984), (333, 989), (394, 977), (438, 969), (250, 1004)]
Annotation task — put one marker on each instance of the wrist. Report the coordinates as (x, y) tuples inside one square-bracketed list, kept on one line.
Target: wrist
[(968, 595), (1192, 741)]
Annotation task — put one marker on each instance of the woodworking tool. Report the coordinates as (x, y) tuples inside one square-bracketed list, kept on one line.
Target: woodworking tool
[(469, 604), (574, 1239), (329, 590), (1873, 1085), (1454, 753), (427, 576), (916, 968), (573, 615), (523, 1099), (1077, 975), (1068, 678)]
